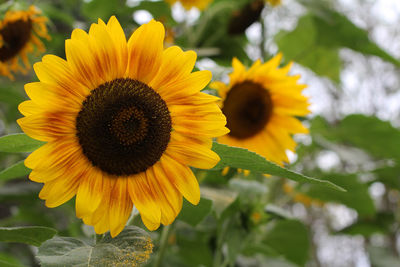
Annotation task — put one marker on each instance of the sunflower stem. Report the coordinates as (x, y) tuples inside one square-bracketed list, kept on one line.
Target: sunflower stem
[(163, 244)]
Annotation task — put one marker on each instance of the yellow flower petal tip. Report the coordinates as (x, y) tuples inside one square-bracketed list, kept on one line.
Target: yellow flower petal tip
[(189, 4), (274, 2)]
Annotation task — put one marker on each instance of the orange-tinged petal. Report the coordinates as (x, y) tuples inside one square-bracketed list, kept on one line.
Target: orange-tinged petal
[(175, 65), (108, 57), (59, 191), (49, 126), (183, 178), (82, 63), (99, 218), (145, 48), (191, 151), (166, 198), (56, 71), (172, 195), (185, 87), (118, 36), (144, 200), (120, 206), (52, 97), (89, 195), (210, 128)]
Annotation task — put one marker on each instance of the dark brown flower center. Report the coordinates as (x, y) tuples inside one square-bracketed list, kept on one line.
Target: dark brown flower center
[(247, 107), (15, 36), (124, 127)]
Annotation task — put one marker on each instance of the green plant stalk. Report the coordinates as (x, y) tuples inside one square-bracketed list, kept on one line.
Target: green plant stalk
[(163, 244)]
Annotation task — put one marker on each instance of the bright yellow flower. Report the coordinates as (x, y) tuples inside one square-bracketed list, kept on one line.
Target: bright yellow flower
[(122, 121), (274, 2), (19, 32), (260, 106), (188, 4)]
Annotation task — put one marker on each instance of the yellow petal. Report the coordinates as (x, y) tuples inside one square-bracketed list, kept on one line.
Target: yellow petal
[(210, 128), (100, 217), (221, 87), (118, 36), (48, 126), (171, 193), (28, 108), (120, 206), (145, 48), (59, 191), (106, 53), (144, 200), (56, 71), (182, 178), (291, 124), (52, 97), (191, 151), (166, 196), (185, 87), (82, 63), (89, 193), (54, 153), (175, 65)]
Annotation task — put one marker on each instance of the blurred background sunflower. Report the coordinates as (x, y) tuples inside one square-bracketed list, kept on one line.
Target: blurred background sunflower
[(260, 106), (20, 33)]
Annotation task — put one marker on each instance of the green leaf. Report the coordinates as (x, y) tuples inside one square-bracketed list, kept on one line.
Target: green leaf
[(322, 60), (382, 140), (10, 96), (244, 159), (278, 212), (9, 261), (193, 215), (194, 249), (130, 248), (231, 231), (318, 38), (381, 223), (389, 176), (15, 143), (336, 30), (14, 171), (289, 238), (356, 197), (381, 257), (32, 235)]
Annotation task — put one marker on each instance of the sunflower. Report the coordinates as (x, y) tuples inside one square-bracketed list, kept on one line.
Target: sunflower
[(188, 4), (122, 121), (260, 106), (19, 32)]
